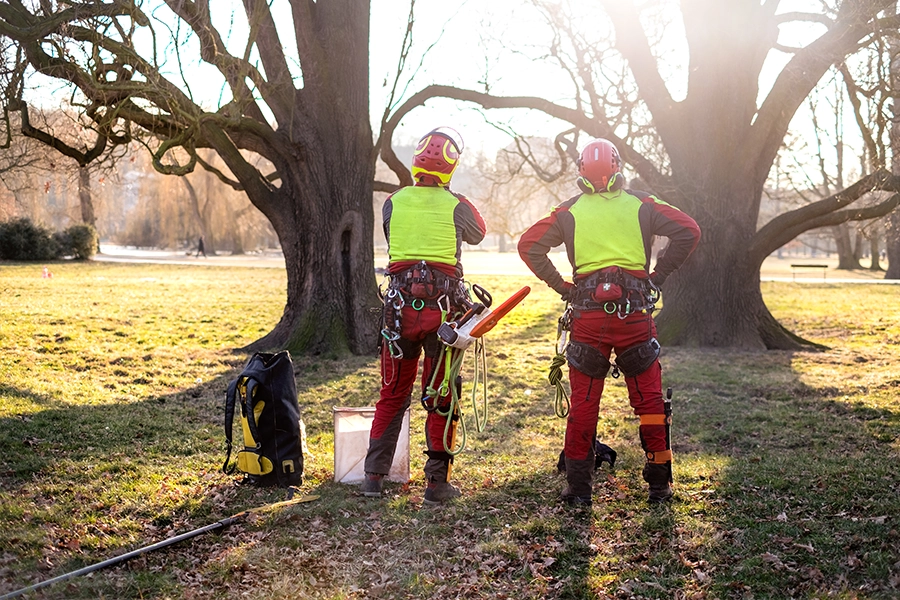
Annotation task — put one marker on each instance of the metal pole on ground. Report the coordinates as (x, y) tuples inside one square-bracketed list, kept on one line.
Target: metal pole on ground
[(164, 543)]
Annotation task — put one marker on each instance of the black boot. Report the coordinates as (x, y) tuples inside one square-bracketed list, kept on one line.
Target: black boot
[(659, 476), (437, 473), (371, 485), (578, 475)]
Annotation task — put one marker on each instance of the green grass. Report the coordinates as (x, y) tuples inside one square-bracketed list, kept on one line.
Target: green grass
[(112, 380)]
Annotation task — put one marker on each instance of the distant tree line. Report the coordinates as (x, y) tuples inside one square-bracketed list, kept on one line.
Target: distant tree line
[(131, 203)]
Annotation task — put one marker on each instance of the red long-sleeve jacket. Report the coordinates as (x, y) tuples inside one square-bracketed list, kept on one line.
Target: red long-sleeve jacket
[(609, 229)]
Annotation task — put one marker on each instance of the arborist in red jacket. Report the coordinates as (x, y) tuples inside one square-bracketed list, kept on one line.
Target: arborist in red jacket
[(608, 231), (424, 225)]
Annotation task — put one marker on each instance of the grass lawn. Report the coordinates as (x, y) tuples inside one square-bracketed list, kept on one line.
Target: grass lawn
[(112, 381)]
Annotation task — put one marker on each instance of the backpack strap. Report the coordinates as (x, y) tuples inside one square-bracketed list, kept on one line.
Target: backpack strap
[(251, 416), (229, 423), (247, 410)]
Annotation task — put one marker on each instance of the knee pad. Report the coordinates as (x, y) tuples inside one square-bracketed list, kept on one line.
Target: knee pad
[(637, 359), (587, 359)]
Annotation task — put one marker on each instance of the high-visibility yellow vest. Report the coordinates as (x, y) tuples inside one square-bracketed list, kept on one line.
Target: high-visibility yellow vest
[(422, 225), (608, 232)]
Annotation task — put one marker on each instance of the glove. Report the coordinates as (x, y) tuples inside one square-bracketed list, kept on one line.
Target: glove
[(567, 291), (657, 279)]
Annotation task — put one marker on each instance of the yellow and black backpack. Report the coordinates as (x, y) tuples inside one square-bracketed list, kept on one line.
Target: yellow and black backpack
[(270, 420)]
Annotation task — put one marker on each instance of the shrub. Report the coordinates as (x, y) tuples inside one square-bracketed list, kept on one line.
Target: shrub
[(79, 241), (20, 239)]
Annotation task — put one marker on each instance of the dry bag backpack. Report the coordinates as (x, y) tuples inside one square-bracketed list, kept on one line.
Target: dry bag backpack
[(270, 420)]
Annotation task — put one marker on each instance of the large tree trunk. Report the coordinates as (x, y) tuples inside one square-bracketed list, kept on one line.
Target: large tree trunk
[(85, 197), (715, 298), (322, 210), (328, 248), (892, 245), (845, 249)]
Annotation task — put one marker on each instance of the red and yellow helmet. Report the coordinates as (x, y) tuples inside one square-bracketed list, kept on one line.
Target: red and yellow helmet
[(436, 156), (599, 165)]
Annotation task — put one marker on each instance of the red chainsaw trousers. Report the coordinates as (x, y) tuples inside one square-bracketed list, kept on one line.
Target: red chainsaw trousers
[(398, 376), (609, 333)]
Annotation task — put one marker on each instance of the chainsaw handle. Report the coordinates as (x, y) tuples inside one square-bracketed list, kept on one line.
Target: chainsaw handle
[(483, 295)]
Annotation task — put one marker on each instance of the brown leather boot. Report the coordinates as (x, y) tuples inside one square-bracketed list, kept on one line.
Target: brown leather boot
[(579, 475), (659, 476)]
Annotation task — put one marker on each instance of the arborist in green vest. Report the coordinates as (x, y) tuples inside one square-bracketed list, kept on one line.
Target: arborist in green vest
[(425, 225), (608, 232)]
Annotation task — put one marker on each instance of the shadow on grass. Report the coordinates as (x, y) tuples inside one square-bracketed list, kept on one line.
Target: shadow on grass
[(83, 483), (802, 486)]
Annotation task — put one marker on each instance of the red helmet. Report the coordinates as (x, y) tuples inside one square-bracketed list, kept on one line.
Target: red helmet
[(599, 165), (436, 156)]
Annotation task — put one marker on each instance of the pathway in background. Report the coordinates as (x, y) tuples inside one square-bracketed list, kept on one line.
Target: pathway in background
[(491, 263)]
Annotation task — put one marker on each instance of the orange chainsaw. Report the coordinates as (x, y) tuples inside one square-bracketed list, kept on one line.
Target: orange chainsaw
[(477, 321)]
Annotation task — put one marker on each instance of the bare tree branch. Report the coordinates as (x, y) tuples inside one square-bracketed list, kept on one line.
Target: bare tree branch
[(789, 225), (594, 127)]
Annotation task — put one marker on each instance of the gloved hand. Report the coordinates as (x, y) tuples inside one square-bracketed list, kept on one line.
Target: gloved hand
[(567, 291), (657, 279)]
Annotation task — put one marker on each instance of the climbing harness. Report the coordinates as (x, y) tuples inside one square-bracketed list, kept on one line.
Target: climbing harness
[(615, 292), (457, 336), (463, 322), (418, 286)]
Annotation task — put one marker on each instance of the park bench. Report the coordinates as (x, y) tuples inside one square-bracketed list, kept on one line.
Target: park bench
[(798, 266)]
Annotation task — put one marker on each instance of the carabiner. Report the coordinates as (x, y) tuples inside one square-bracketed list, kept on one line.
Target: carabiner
[(443, 303), (390, 339)]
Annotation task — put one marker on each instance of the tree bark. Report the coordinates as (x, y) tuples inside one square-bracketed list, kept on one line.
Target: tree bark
[(845, 250), (892, 246), (892, 228), (85, 198), (332, 303)]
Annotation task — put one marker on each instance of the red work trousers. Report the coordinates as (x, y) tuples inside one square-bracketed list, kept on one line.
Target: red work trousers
[(398, 375), (609, 333)]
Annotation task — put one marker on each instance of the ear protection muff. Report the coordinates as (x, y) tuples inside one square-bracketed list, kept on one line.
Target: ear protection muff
[(585, 186), (612, 182)]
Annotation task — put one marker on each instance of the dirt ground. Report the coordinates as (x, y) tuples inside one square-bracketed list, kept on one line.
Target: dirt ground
[(478, 262)]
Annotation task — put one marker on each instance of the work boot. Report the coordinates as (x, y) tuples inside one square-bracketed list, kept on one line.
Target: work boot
[(578, 477), (439, 492), (659, 476), (371, 485)]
